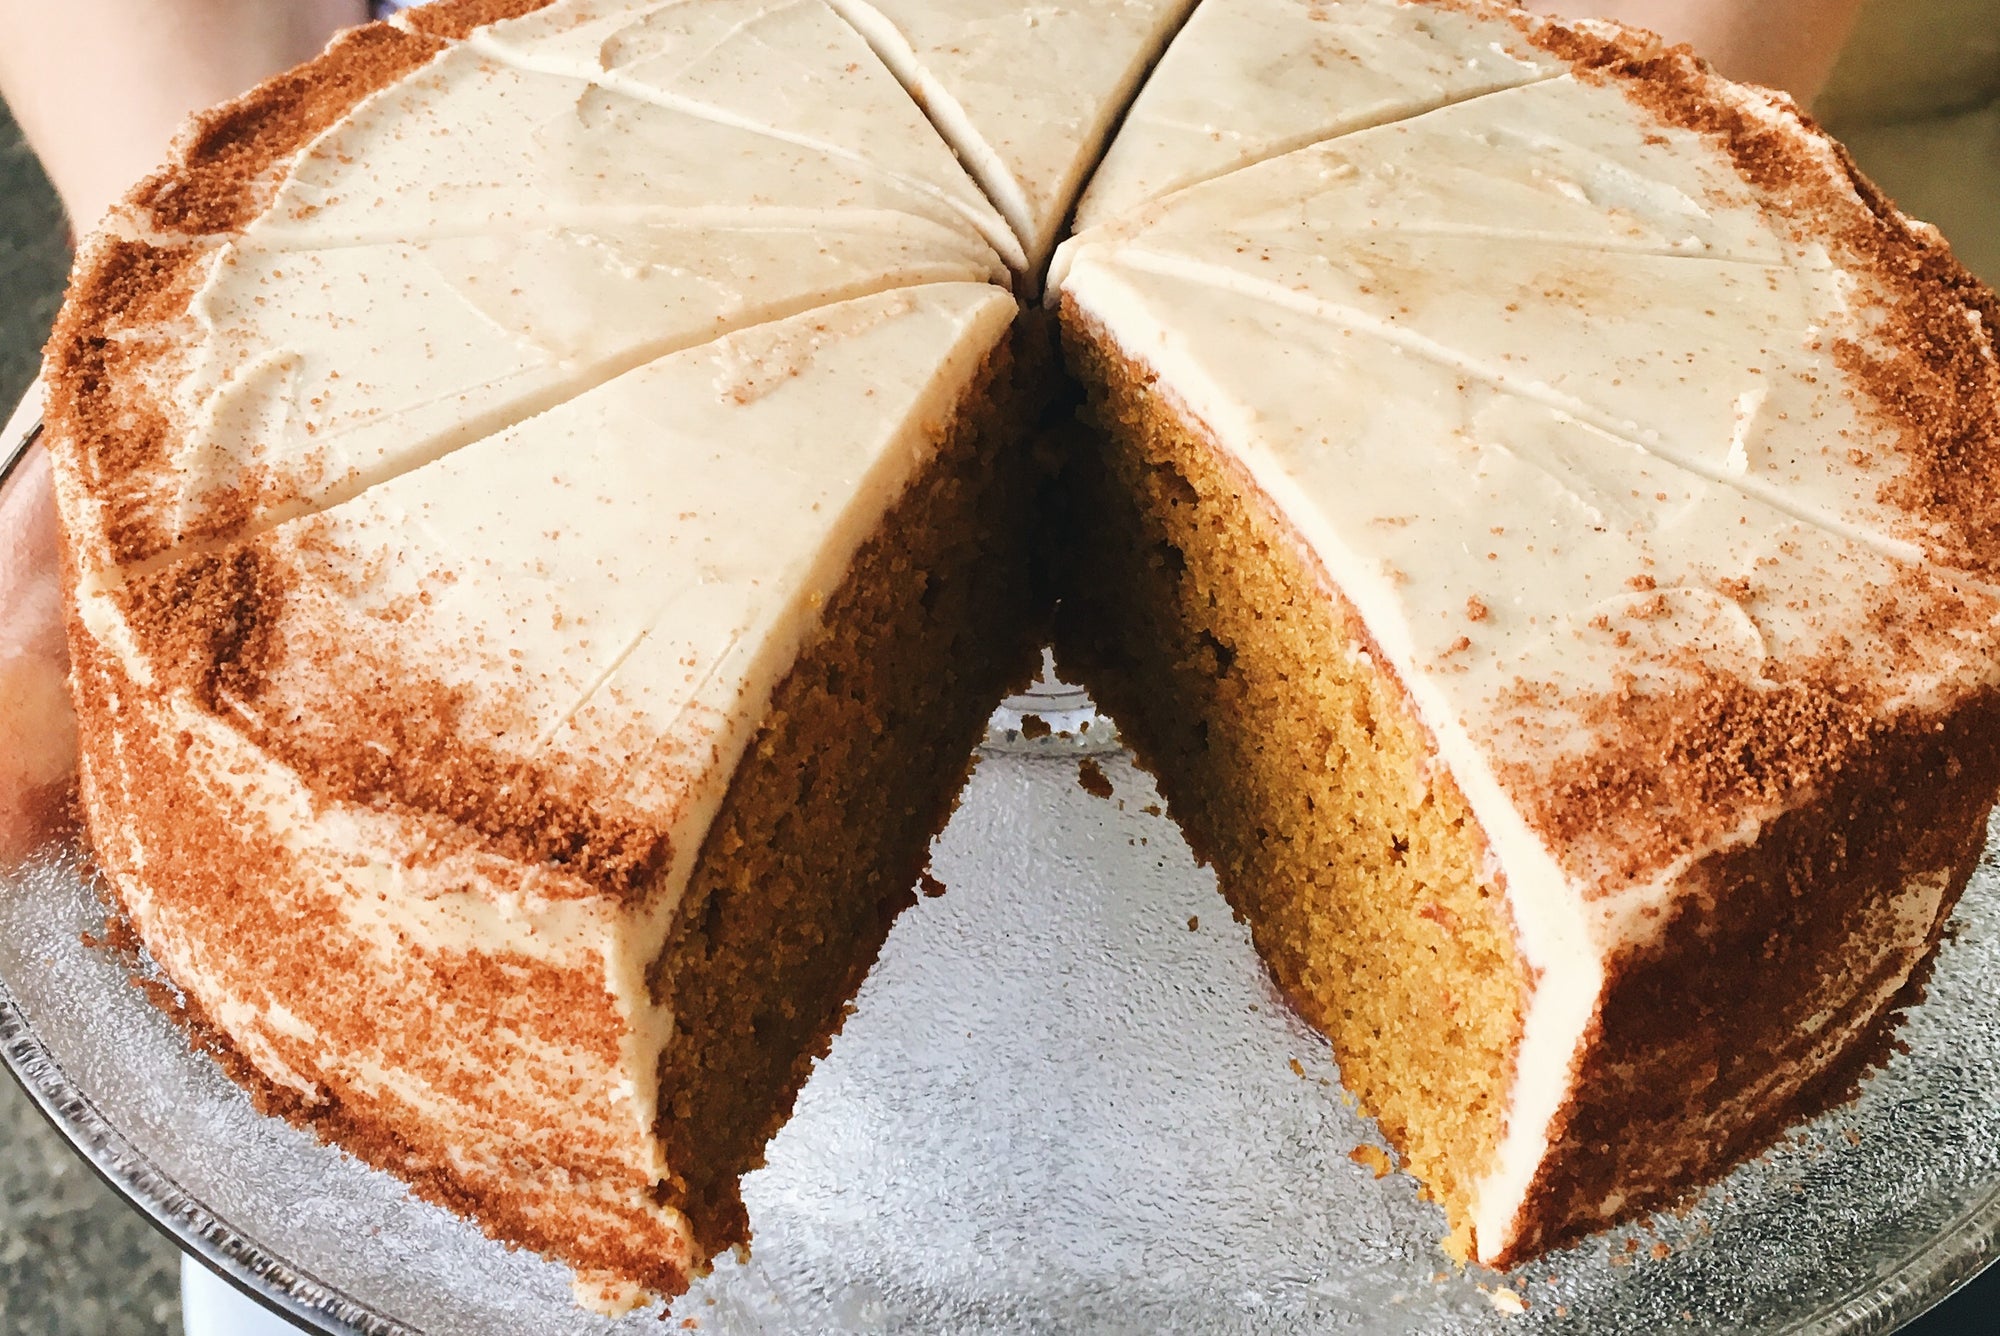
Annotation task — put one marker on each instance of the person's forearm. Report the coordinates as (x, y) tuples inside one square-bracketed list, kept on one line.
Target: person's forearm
[(100, 86), (37, 730), (1786, 44)]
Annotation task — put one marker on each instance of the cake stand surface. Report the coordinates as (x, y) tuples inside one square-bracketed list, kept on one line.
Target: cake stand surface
[(1068, 1100)]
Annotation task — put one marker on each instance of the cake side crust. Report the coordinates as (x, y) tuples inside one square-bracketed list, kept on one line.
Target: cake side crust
[(1776, 984), (175, 855), (513, 1121)]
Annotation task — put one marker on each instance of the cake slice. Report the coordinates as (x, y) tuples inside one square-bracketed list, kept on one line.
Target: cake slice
[(527, 821), (1535, 544), (789, 70), (329, 295)]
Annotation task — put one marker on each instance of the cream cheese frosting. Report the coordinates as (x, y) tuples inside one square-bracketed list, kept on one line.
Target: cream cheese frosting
[(1027, 93), (557, 221), (1643, 385), (1318, 69), (1553, 397), (525, 596), (785, 70)]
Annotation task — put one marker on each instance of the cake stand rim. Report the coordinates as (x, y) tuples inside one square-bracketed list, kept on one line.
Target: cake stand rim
[(16, 451), (1921, 1280), (186, 1221)]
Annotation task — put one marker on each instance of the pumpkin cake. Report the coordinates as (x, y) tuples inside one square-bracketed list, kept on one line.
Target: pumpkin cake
[(550, 491)]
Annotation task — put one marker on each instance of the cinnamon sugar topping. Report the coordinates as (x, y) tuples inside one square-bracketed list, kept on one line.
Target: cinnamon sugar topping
[(225, 159), (1671, 774), (210, 624), (458, 19)]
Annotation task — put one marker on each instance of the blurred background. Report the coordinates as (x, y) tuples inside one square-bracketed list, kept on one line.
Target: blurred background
[(1917, 98)]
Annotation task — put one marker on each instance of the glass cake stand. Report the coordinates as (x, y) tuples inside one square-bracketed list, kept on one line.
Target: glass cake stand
[(1068, 1099)]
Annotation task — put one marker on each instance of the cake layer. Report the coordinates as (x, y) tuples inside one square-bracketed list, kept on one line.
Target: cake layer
[(1580, 393), (558, 220), (458, 743), (1248, 684), (1027, 94), (1302, 769)]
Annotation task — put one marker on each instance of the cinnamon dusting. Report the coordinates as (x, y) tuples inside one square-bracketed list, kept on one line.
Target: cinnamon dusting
[(1925, 362), (210, 625), (221, 176)]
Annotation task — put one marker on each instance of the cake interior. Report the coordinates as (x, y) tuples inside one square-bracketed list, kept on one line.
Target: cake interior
[(1296, 767), (828, 820)]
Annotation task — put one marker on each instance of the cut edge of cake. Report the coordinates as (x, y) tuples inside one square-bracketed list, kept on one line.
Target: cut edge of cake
[(379, 842), (1646, 1095)]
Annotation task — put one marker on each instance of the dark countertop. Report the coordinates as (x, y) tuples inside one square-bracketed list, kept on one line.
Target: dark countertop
[(74, 1259)]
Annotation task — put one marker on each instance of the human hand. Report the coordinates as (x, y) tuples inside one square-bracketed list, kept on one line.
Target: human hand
[(37, 728)]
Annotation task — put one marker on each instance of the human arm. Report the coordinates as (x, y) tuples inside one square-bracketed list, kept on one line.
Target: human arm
[(100, 86), (1786, 44)]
